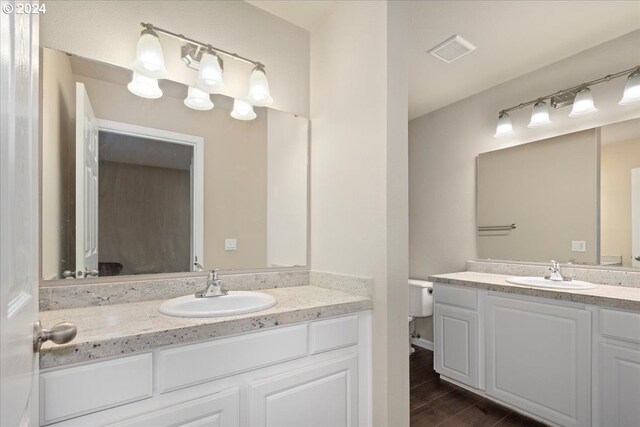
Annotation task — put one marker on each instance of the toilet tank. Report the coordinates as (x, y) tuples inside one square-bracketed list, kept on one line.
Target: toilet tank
[(420, 298)]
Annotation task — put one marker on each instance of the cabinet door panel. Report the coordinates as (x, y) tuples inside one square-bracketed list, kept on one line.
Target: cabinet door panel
[(319, 396), (538, 358), (456, 345), (620, 394)]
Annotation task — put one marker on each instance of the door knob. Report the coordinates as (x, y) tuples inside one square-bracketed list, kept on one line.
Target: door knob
[(61, 333), (638, 258)]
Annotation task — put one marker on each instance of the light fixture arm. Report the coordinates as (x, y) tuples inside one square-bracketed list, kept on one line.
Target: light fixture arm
[(573, 89), (205, 46)]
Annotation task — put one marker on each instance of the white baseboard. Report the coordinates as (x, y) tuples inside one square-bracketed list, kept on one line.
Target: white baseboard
[(421, 342)]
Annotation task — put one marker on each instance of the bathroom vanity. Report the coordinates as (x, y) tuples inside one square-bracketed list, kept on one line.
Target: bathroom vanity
[(306, 361), (566, 357)]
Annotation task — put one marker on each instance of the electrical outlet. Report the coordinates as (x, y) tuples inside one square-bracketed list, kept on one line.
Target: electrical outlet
[(578, 246), (230, 244)]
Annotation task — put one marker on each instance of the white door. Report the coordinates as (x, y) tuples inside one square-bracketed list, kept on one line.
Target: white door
[(86, 186), (538, 358), (19, 223), (635, 218), (322, 395)]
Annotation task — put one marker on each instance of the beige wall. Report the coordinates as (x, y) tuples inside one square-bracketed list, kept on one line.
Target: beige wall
[(235, 167), (131, 232), (616, 162), (444, 144), (58, 145), (108, 31), (359, 176), (549, 189)]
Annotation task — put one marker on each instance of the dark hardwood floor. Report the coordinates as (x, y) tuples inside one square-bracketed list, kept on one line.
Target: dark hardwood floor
[(435, 402)]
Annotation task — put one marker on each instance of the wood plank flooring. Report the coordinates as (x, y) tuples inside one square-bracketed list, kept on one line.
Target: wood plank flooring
[(434, 402)]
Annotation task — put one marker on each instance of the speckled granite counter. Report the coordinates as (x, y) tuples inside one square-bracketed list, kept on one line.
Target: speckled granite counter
[(622, 297), (105, 331)]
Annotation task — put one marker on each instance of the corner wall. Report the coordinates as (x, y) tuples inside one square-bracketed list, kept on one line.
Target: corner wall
[(443, 146), (359, 219)]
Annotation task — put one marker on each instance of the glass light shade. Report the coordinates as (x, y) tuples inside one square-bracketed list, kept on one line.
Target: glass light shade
[(540, 115), (631, 93), (504, 128), (210, 74), (149, 57), (198, 99), (259, 88), (242, 110), (583, 104), (144, 87)]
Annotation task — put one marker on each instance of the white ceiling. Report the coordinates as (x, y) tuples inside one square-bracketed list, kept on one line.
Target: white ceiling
[(512, 38)]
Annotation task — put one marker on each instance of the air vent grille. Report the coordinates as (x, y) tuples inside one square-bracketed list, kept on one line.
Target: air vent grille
[(452, 49)]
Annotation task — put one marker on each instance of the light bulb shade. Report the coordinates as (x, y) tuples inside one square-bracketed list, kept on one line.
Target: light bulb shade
[(198, 99), (144, 87), (631, 93), (149, 57), (259, 88), (504, 128), (583, 104), (242, 110), (540, 115), (210, 74)]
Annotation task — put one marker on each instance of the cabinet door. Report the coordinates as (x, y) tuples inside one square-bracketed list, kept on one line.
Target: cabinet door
[(319, 396), (620, 392), (538, 358), (456, 344), (217, 410)]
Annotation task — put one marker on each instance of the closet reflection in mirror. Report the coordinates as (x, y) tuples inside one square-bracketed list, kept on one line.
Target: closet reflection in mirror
[(144, 186), (573, 198)]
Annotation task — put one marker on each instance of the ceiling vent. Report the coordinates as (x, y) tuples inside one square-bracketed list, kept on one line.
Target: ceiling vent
[(452, 49)]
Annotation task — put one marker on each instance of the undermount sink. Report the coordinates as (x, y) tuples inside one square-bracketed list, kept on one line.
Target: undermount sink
[(230, 304), (541, 282)]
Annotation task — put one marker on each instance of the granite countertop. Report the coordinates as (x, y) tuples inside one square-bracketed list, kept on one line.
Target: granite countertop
[(112, 330), (622, 297)]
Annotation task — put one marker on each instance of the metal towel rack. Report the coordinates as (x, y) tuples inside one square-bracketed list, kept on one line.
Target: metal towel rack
[(497, 227)]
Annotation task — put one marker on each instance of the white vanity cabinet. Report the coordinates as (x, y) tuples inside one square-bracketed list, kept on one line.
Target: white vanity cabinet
[(566, 363), (538, 358), (456, 331), (616, 368), (308, 374)]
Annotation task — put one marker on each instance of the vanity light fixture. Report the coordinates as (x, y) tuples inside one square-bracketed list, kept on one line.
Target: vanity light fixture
[(259, 88), (210, 73), (540, 115), (242, 110), (207, 60), (579, 96), (198, 99), (149, 56), (583, 104), (505, 127), (144, 86), (631, 93)]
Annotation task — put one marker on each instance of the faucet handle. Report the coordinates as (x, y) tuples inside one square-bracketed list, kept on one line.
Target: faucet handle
[(215, 273), (198, 267), (555, 265)]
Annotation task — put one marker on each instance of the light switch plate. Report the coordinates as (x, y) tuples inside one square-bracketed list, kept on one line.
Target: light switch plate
[(230, 244), (578, 246)]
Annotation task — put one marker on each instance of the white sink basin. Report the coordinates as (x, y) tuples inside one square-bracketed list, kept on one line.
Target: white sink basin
[(541, 282), (231, 304)]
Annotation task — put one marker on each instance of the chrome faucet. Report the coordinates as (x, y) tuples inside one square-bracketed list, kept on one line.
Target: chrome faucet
[(214, 284), (556, 273)]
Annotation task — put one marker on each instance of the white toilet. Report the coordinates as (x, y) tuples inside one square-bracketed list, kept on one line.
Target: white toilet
[(420, 301)]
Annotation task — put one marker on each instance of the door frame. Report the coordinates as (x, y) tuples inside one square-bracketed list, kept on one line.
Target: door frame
[(197, 173)]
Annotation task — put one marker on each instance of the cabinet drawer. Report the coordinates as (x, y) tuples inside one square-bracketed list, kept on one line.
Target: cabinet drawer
[(217, 410), (84, 389), (456, 296), (620, 324), (330, 334), (193, 364)]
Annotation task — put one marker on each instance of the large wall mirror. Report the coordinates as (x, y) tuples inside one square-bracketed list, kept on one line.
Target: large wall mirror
[(144, 186), (573, 198)]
